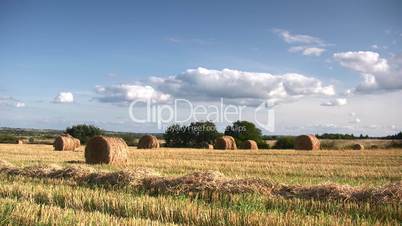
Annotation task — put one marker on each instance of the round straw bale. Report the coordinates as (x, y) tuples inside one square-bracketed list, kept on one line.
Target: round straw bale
[(358, 147), (225, 143), (77, 143), (20, 142), (148, 142), (107, 150), (249, 144), (64, 143), (307, 142)]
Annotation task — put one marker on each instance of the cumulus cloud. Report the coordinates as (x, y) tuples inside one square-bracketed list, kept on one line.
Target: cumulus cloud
[(335, 102), (377, 73), (202, 84), (307, 51), (64, 97), (362, 61), (129, 92)]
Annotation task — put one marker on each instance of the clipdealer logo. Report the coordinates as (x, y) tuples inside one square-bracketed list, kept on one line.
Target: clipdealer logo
[(183, 111)]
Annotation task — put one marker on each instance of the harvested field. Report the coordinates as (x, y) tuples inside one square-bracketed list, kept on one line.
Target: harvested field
[(203, 187)]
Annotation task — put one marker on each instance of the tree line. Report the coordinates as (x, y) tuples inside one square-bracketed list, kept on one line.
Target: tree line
[(198, 134)]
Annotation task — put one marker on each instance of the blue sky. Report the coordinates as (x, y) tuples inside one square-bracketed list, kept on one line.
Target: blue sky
[(50, 47)]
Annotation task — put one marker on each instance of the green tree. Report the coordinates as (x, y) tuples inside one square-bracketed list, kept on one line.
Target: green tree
[(175, 136), (193, 135), (84, 132), (245, 130), (202, 132)]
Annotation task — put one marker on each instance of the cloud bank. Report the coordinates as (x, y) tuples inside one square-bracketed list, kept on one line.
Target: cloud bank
[(202, 84)]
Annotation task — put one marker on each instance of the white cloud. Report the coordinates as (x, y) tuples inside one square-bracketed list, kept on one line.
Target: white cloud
[(129, 92), (348, 92), (19, 104), (307, 51), (206, 84), (308, 45), (362, 61), (375, 46), (11, 102), (313, 51), (335, 102), (377, 73), (297, 38), (174, 40), (64, 97), (201, 84)]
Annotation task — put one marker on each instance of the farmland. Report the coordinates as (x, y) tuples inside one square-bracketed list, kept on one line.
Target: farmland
[(26, 197)]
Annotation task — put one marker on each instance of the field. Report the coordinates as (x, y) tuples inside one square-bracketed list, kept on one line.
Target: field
[(159, 187)]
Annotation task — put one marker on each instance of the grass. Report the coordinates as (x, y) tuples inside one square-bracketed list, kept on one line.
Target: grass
[(43, 201)]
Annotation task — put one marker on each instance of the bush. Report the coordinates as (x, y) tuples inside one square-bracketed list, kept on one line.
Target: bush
[(7, 138), (395, 144), (263, 145), (244, 130), (84, 132), (285, 143), (329, 145)]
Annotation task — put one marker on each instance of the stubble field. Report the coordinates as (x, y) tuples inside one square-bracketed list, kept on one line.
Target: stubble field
[(160, 187)]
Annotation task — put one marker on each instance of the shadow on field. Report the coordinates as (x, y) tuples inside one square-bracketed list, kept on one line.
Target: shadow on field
[(75, 161)]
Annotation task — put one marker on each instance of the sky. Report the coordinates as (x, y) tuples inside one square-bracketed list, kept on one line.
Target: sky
[(321, 66)]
